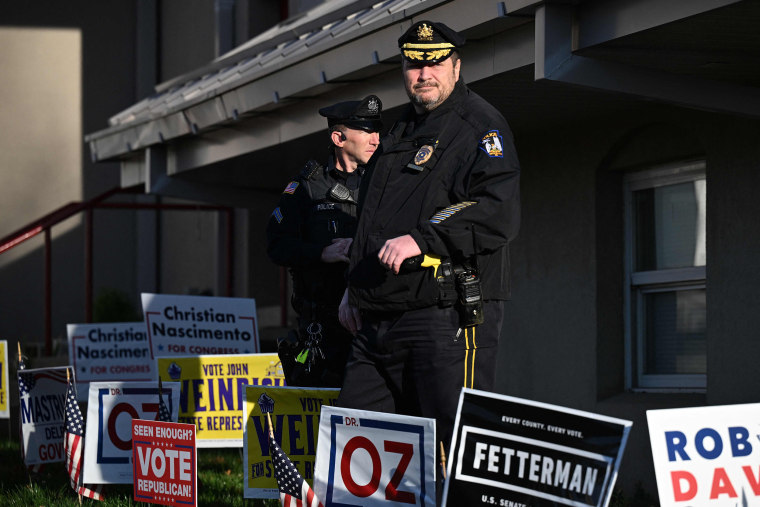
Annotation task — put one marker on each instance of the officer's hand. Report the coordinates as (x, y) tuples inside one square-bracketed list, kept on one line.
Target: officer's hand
[(396, 250), (349, 315), (337, 251)]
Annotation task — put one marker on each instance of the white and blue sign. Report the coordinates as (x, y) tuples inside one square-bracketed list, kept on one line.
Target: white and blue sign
[(109, 352), (110, 410), (368, 459), (42, 408), (200, 325), (707, 456)]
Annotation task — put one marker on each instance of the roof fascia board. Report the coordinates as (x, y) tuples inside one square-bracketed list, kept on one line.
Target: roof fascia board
[(527, 8), (504, 52), (601, 22), (227, 195), (507, 51), (521, 7), (132, 172), (555, 61), (269, 130)]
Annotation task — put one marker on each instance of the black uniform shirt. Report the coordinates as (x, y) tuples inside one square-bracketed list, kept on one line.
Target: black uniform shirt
[(463, 205)]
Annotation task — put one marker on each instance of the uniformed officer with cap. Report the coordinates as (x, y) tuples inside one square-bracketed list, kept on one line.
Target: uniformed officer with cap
[(311, 231), (429, 269)]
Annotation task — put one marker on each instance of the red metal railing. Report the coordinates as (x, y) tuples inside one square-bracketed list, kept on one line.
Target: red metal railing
[(46, 223)]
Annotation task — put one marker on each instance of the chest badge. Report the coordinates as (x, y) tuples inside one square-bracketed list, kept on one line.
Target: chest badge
[(422, 156)]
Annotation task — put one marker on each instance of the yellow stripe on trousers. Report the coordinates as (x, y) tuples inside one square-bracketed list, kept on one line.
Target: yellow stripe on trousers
[(467, 349)]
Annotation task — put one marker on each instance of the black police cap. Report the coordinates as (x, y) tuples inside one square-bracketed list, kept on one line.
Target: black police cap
[(362, 114), (429, 42)]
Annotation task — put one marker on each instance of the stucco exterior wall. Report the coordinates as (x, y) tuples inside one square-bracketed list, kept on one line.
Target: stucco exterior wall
[(563, 335)]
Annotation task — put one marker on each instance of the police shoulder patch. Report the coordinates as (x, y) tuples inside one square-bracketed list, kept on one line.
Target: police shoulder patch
[(491, 144), (292, 186)]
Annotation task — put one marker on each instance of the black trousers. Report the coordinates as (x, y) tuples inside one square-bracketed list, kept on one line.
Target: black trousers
[(414, 363)]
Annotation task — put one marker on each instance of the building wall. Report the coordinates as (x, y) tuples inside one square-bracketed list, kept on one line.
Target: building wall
[(191, 241), (563, 335), (732, 275), (40, 164), (40, 121), (187, 34), (66, 68)]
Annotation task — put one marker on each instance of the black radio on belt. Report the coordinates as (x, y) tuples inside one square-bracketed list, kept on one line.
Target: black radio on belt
[(470, 305)]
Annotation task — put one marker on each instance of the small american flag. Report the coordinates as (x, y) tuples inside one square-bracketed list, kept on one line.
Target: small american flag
[(294, 491), (74, 445), (163, 414), (292, 186), (25, 384)]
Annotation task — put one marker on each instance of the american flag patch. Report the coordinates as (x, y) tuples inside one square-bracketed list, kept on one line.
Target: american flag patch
[(292, 186), (449, 211), (277, 214)]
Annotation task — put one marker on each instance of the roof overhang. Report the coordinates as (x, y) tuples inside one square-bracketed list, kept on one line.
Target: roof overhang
[(305, 64), (696, 54)]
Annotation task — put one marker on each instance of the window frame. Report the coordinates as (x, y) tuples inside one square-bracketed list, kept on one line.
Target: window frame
[(638, 284)]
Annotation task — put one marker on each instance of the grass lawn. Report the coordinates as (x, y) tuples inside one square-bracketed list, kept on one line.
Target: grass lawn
[(220, 483)]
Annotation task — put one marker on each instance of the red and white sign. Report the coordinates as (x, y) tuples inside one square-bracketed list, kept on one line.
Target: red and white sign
[(706, 456), (375, 459), (164, 461)]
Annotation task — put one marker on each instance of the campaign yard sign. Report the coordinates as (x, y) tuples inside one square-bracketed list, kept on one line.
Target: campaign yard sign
[(103, 352), (374, 459), (42, 404), (4, 405), (295, 419), (164, 463), (512, 452), (212, 389), (706, 456), (111, 407), (188, 325)]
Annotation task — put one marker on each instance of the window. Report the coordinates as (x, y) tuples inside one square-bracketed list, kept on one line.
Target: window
[(665, 261)]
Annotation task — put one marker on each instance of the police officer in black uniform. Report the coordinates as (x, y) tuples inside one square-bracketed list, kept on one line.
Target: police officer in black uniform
[(311, 231), (429, 269)]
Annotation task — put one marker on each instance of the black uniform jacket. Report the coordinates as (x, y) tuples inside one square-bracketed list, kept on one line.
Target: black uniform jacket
[(463, 205), (306, 220)]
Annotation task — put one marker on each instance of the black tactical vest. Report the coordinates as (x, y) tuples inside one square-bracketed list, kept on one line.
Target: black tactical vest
[(331, 214)]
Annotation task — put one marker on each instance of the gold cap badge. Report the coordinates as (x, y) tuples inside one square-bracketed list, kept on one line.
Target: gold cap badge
[(424, 32)]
